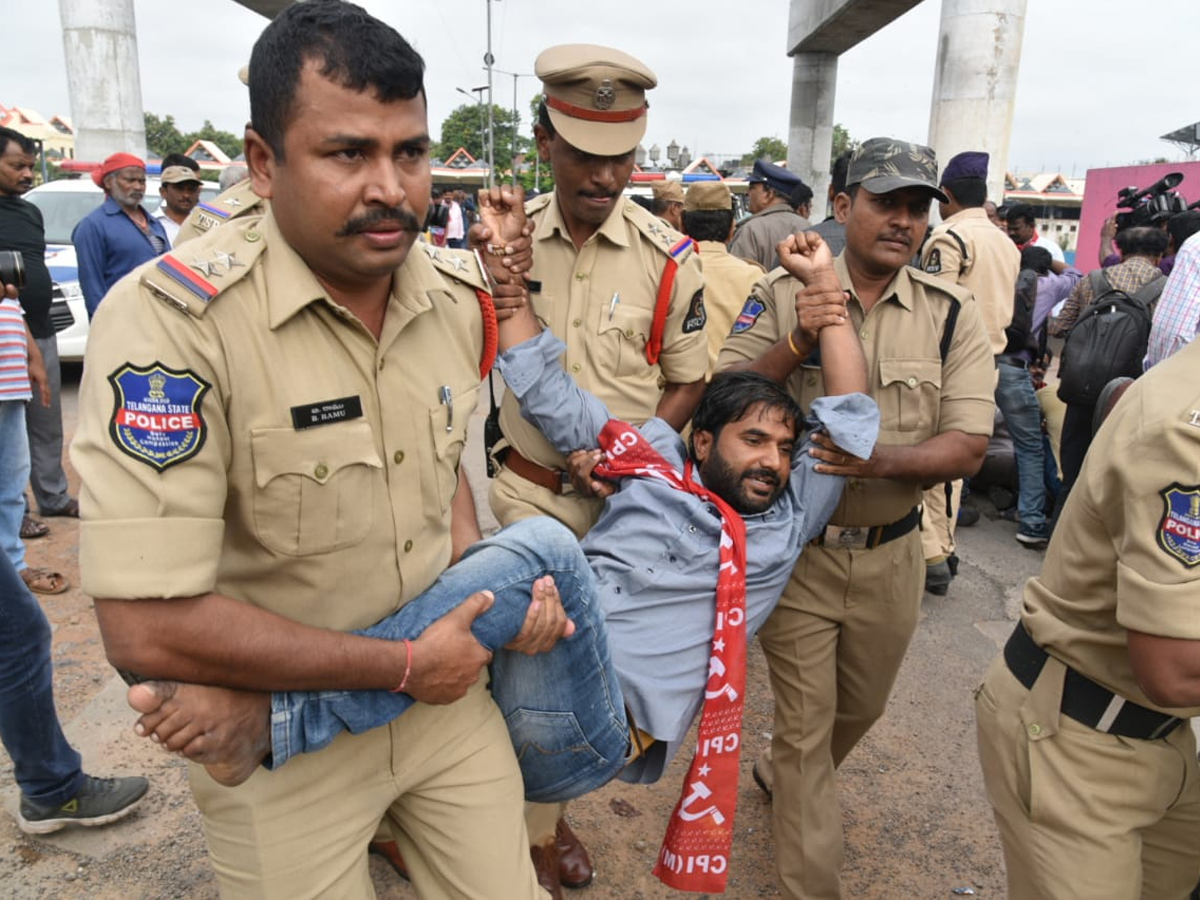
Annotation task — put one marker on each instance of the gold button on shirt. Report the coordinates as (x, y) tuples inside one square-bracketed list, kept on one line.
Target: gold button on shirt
[(918, 395), (305, 521)]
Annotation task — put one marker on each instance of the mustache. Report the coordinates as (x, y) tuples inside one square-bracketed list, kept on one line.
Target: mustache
[(599, 195), (899, 236), (408, 222), (762, 475)]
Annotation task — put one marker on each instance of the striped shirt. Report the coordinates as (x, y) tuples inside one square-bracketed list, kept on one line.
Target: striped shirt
[(14, 354), (1128, 276), (1177, 316)]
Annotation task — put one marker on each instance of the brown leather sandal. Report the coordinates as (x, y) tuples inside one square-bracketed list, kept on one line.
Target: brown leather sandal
[(44, 581)]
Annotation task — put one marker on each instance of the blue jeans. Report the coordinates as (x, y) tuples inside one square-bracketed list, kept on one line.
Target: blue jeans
[(564, 708), (46, 767), (14, 475), (1023, 415)]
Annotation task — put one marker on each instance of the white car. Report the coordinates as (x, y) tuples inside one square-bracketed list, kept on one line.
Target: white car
[(63, 203)]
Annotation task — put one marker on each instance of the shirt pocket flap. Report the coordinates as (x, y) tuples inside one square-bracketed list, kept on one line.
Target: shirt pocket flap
[(630, 321), (910, 373), (318, 454)]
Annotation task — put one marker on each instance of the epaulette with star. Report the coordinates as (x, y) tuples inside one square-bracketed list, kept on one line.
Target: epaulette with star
[(675, 245), (240, 200), (461, 265), (191, 277)]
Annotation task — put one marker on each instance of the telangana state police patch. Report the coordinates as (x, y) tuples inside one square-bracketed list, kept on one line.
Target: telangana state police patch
[(696, 316), (749, 315), (156, 414), (933, 264), (1179, 530)]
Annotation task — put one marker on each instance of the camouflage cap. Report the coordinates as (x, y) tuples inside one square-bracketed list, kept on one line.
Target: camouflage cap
[(667, 191), (883, 164), (596, 96), (707, 195)]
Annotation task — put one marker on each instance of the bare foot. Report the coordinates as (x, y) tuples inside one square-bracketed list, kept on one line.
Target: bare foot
[(226, 731)]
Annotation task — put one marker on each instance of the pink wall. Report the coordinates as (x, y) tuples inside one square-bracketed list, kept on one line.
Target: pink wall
[(1100, 200)]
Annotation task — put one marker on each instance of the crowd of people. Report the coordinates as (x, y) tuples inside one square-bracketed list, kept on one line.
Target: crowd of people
[(711, 431)]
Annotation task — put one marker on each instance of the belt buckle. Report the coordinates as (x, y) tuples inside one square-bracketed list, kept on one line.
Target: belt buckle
[(848, 537)]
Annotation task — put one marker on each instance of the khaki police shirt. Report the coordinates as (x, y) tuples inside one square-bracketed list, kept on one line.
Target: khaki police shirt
[(240, 200), (970, 251), (316, 476), (757, 237), (1126, 552), (918, 395), (727, 283), (573, 295)]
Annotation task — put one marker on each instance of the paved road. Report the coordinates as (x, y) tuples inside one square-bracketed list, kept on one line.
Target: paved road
[(917, 822)]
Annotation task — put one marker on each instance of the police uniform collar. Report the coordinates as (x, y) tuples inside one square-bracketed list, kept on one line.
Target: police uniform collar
[(612, 228), (899, 288), (969, 212)]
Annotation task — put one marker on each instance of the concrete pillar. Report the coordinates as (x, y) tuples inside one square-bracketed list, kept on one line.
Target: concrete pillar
[(105, 88), (975, 83), (810, 134)]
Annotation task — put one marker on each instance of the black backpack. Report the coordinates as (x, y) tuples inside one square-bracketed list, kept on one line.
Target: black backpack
[(1108, 340)]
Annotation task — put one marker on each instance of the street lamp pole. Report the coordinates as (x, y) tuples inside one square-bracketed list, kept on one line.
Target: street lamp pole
[(488, 60), (515, 76), (478, 92)]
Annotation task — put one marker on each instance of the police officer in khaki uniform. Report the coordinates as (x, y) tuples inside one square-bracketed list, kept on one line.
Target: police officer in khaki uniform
[(622, 290), (836, 640), (269, 439), (600, 263), (967, 250), (708, 220), (1087, 756)]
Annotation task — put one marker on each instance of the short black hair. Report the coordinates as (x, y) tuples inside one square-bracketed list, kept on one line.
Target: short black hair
[(841, 166), (1143, 240), (180, 159), (1036, 258), (707, 224), (968, 192), (544, 119), (731, 395), (1021, 212), (659, 205), (644, 202), (353, 48), (1182, 226), (801, 194), (8, 136)]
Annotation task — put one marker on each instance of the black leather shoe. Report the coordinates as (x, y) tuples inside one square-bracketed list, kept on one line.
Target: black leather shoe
[(574, 867)]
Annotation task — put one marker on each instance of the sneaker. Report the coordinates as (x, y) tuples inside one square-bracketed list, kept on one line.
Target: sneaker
[(99, 802), (1034, 536), (1001, 497)]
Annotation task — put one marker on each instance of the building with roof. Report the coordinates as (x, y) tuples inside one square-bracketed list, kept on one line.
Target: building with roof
[(57, 134), (1057, 200)]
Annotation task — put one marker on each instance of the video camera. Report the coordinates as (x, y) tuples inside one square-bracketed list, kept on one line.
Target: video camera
[(1150, 205)]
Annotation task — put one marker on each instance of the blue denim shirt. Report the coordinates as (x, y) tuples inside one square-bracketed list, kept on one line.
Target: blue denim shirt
[(655, 549), (108, 245)]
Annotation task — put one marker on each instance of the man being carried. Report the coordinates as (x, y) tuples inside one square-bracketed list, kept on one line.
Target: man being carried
[(655, 552)]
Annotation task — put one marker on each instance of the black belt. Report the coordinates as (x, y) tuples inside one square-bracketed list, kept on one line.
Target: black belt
[(1015, 361), (1082, 699), (867, 537)]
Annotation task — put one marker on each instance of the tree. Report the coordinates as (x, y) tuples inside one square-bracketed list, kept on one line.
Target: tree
[(466, 127), (162, 135), (229, 142), (770, 147), (841, 143)]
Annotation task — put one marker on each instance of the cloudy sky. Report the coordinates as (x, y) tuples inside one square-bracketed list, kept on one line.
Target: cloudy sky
[(1098, 82)]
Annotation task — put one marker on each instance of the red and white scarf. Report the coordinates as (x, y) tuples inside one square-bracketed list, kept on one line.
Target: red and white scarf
[(695, 851)]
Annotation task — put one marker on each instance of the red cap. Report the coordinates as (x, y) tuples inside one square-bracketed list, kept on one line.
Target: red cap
[(115, 163)]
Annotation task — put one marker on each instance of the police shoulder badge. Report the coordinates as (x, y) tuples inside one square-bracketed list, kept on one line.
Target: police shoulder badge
[(696, 316), (933, 263), (749, 315), (156, 413), (1179, 531)]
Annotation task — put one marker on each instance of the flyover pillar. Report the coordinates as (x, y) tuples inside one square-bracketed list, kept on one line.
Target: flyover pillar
[(103, 81), (975, 81), (810, 133)]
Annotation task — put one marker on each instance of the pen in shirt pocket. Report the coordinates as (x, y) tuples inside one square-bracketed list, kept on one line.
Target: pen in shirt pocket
[(612, 304)]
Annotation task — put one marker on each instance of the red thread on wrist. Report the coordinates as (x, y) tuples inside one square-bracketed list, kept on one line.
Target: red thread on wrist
[(407, 667)]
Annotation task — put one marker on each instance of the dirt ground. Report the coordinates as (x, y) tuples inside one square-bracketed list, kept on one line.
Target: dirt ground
[(917, 823)]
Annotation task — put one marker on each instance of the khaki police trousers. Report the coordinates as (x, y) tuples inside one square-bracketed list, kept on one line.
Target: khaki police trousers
[(443, 777), (833, 645), (939, 519), (1085, 815)]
